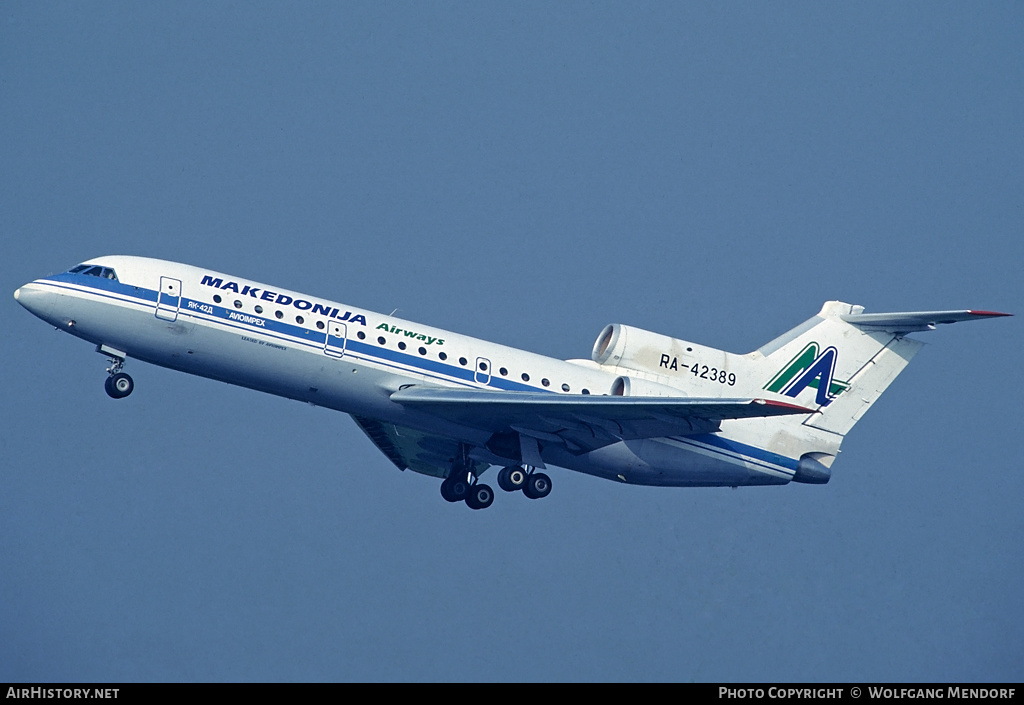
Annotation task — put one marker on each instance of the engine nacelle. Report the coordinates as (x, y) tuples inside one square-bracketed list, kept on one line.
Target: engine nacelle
[(665, 366), (636, 387), (639, 349)]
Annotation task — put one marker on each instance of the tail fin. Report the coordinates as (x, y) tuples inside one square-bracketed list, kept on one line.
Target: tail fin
[(841, 360)]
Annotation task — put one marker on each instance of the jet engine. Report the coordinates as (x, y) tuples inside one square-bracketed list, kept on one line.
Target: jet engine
[(638, 349), (624, 386)]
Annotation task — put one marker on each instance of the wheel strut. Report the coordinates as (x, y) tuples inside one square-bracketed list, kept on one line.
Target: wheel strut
[(455, 487)]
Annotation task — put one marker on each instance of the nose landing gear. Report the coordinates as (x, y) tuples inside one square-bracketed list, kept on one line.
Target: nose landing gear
[(118, 384)]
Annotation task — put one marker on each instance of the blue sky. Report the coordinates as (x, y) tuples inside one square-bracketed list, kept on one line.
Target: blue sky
[(522, 172)]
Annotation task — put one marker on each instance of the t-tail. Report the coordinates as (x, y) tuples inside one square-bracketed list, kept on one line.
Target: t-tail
[(840, 361)]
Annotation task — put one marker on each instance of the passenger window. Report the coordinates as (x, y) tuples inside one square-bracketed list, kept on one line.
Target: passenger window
[(565, 387)]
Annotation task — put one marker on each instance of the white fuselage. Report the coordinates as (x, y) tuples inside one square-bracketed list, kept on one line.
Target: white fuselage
[(350, 359)]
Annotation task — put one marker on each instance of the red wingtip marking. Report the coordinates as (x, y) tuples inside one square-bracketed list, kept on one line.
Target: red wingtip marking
[(987, 313)]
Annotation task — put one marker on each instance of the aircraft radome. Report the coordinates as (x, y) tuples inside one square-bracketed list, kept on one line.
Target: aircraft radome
[(645, 409)]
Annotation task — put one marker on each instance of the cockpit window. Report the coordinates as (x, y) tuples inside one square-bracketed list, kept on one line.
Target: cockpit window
[(94, 271)]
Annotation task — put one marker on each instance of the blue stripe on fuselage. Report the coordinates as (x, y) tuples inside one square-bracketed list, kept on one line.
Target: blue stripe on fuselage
[(292, 333), (720, 444)]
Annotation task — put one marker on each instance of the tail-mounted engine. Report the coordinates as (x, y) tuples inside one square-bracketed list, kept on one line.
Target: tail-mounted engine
[(655, 365), (639, 349), (624, 386)]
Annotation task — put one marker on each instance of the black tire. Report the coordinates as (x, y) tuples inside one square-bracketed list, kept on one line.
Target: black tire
[(119, 386), (446, 492), (480, 496), (511, 478), (538, 485), (455, 490)]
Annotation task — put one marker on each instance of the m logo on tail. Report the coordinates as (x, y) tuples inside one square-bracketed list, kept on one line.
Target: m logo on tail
[(810, 369)]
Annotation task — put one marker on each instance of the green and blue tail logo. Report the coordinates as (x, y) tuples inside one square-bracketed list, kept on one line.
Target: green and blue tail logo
[(810, 369)]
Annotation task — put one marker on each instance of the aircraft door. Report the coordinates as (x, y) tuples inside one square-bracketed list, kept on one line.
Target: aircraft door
[(334, 343), (168, 299), (483, 371)]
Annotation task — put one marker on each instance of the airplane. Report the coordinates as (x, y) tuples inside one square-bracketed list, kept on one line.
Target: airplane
[(645, 409)]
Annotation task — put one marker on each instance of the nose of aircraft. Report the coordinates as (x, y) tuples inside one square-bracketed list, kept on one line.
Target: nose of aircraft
[(35, 299)]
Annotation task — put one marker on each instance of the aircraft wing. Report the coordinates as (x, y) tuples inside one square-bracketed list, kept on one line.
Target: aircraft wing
[(585, 422)]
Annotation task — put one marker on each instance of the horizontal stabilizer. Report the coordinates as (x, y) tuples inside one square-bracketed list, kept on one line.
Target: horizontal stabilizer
[(910, 321)]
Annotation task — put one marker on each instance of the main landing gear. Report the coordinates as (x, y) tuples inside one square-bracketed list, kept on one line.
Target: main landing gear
[(118, 384), (534, 485), (461, 485)]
